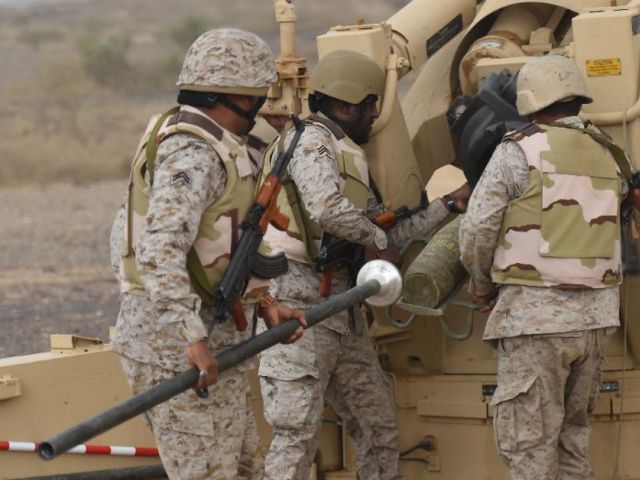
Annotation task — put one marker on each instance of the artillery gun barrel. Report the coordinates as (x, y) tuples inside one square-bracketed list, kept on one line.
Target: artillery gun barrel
[(381, 282)]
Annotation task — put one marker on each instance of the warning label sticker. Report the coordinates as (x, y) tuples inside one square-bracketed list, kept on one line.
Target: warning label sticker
[(603, 67)]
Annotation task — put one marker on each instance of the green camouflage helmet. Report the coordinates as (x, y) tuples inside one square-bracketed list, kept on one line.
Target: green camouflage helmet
[(227, 60), (348, 76), (545, 80)]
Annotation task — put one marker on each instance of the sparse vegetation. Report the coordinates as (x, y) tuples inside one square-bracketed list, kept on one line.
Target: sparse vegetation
[(74, 111), (106, 62), (187, 30), (35, 38)]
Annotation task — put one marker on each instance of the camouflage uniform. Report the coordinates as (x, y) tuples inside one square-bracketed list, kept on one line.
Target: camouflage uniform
[(549, 339), (215, 437), (334, 361), (115, 240), (255, 148)]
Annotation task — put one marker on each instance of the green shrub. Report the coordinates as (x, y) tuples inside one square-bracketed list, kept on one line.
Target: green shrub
[(187, 30), (105, 62)]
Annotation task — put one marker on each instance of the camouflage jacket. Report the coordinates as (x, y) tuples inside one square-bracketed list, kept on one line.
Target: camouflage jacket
[(157, 329), (314, 170), (522, 310)]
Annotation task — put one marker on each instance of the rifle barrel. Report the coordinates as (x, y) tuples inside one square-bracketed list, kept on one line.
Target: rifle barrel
[(162, 392)]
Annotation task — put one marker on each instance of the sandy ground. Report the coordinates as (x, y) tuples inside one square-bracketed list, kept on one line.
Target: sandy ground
[(55, 274)]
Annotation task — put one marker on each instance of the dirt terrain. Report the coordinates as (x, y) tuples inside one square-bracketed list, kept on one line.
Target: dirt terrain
[(55, 274), (80, 78)]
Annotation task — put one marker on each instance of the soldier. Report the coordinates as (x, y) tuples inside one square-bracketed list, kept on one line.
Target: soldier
[(190, 188), (542, 233), (330, 193)]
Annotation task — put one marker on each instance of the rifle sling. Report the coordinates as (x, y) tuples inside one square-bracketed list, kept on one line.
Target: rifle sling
[(300, 214), (151, 148)]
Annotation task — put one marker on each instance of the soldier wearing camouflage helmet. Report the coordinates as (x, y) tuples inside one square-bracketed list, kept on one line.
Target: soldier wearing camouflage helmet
[(541, 242), (330, 194), (191, 185)]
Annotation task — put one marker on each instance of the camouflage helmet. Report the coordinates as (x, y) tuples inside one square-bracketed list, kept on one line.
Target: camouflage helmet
[(348, 76), (227, 60), (545, 80)]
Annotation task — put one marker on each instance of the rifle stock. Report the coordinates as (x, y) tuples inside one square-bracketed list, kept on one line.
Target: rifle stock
[(245, 258)]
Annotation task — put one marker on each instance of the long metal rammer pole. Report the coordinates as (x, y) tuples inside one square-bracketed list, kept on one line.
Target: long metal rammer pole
[(138, 404)]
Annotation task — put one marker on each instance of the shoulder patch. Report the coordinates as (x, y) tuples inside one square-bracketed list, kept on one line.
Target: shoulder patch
[(181, 178), (322, 150)]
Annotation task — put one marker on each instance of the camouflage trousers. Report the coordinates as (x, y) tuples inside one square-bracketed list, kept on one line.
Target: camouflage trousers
[(547, 386), (211, 438), (351, 380)]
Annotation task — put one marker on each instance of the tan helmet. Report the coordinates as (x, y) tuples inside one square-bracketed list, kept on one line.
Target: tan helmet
[(545, 80), (348, 76), (227, 60)]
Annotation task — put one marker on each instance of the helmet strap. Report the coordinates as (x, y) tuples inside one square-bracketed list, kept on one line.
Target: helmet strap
[(209, 99), (248, 115), (314, 101), (197, 99)]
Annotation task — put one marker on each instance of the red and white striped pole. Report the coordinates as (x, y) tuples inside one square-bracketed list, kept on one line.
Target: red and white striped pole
[(84, 449)]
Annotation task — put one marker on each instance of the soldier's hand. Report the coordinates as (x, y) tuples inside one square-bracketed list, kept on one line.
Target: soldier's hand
[(390, 254), (198, 354), (461, 196), (274, 313), (485, 302)]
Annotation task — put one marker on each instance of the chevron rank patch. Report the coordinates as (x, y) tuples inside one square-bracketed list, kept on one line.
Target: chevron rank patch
[(181, 178), (322, 150)]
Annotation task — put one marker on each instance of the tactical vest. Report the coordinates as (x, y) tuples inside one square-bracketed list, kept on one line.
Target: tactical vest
[(301, 239), (219, 227), (564, 230)]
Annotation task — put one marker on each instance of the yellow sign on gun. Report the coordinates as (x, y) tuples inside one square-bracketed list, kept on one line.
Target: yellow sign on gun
[(603, 67)]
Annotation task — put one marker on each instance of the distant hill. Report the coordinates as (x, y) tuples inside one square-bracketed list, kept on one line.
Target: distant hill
[(81, 77)]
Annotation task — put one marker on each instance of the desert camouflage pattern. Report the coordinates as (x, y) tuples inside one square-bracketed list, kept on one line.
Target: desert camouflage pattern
[(219, 228), (549, 339), (140, 337), (202, 439), (116, 237), (336, 352), (190, 177), (564, 229), (198, 439), (348, 377), (228, 60), (255, 147), (547, 387), (347, 183), (521, 309)]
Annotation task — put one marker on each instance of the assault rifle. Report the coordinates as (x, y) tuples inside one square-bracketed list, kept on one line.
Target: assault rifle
[(336, 253), (245, 258)]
